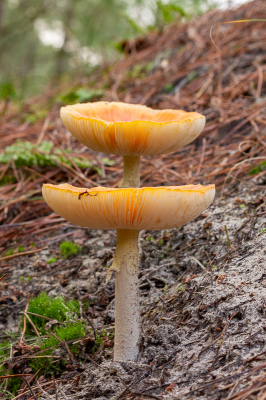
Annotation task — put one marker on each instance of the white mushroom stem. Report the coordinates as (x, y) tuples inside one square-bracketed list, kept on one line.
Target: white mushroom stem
[(131, 174), (127, 310)]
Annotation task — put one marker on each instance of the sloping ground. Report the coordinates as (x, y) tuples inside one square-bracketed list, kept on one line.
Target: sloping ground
[(203, 306), (202, 286)]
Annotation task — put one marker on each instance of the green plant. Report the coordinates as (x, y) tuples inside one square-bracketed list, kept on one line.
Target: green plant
[(7, 91), (168, 87), (66, 333), (21, 249), (13, 383), (7, 179), (167, 13), (227, 236), (138, 72), (149, 67), (51, 260), (107, 161), (68, 249), (149, 238), (258, 168), (80, 95), (5, 394), (36, 116), (9, 253), (56, 308), (43, 155), (66, 313), (101, 335)]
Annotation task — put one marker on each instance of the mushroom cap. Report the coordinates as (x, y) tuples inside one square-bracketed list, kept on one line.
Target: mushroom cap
[(129, 208), (130, 129)]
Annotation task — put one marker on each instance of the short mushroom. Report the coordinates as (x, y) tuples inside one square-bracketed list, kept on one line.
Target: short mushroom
[(128, 210), (131, 131)]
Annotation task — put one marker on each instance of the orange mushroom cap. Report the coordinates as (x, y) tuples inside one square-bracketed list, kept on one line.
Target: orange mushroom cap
[(129, 208), (129, 129)]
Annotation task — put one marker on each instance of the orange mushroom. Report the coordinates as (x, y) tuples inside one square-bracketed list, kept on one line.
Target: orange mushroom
[(128, 210), (131, 131)]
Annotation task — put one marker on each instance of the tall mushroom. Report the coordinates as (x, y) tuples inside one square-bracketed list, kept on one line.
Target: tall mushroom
[(128, 210), (131, 131)]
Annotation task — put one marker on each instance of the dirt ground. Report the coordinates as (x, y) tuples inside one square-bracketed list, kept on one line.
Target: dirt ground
[(203, 302)]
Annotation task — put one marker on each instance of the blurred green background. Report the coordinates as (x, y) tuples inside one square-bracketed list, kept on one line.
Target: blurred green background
[(46, 42)]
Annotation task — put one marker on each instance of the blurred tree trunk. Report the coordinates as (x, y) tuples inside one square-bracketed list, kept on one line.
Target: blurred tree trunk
[(62, 55), (1, 16)]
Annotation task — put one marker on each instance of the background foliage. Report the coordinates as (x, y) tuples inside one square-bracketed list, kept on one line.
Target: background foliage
[(46, 41)]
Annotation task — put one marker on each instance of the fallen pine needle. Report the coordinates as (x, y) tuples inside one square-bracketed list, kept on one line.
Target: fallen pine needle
[(25, 253)]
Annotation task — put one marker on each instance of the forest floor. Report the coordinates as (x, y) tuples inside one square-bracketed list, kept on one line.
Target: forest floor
[(203, 305), (202, 286)]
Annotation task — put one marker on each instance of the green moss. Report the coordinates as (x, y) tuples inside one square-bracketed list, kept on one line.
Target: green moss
[(4, 349), (71, 331), (21, 249), (13, 383), (68, 249), (55, 308), (64, 311)]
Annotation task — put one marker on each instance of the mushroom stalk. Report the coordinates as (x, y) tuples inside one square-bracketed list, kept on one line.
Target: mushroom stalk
[(131, 174), (127, 310)]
